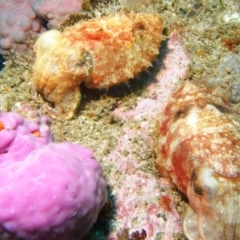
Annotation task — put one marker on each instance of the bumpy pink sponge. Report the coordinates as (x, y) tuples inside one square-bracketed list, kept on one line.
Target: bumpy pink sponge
[(18, 17), (55, 11), (18, 137), (50, 189)]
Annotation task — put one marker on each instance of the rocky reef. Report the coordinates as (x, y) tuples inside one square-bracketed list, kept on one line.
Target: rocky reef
[(121, 123)]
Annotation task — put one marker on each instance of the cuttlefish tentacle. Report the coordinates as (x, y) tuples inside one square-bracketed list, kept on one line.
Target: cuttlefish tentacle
[(218, 205)]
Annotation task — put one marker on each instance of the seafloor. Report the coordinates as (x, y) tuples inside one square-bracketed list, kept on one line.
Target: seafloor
[(121, 124)]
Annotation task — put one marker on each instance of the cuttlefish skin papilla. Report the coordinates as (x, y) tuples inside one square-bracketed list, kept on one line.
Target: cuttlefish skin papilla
[(199, 146), (101, 52)]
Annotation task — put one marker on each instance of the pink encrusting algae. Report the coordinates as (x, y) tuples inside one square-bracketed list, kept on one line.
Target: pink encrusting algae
[(139, 195)]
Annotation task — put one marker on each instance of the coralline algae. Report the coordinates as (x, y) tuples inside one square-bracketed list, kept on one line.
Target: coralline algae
[(142, 200)]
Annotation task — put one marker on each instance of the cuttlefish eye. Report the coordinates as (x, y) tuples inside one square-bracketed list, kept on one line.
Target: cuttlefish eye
[(195, 184), (204, 182), (182, 112), (85, 59), (79, 63)]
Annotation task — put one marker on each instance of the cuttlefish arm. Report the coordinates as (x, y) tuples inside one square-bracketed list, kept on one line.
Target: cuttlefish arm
[(214, 206)]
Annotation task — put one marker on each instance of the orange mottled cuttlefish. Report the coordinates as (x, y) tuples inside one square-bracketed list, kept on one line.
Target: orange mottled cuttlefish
[(101, 52)]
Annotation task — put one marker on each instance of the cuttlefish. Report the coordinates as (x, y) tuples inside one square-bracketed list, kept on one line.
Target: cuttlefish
[(101, 52), (199, 146)]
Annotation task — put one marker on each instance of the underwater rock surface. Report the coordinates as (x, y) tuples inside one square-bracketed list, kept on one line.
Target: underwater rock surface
[(119, 124)]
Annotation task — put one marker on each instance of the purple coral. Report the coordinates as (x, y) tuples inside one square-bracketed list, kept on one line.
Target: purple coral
[(18, 17), (18, 137), (48, 190), (55, 11)]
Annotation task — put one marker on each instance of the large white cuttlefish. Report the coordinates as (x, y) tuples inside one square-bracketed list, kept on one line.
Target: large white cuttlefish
[(200, 148), (101, 52)]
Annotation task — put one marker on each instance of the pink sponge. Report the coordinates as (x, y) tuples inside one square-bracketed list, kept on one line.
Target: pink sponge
[(18, 137), (55, 11), (50, 189), (16, 19)]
